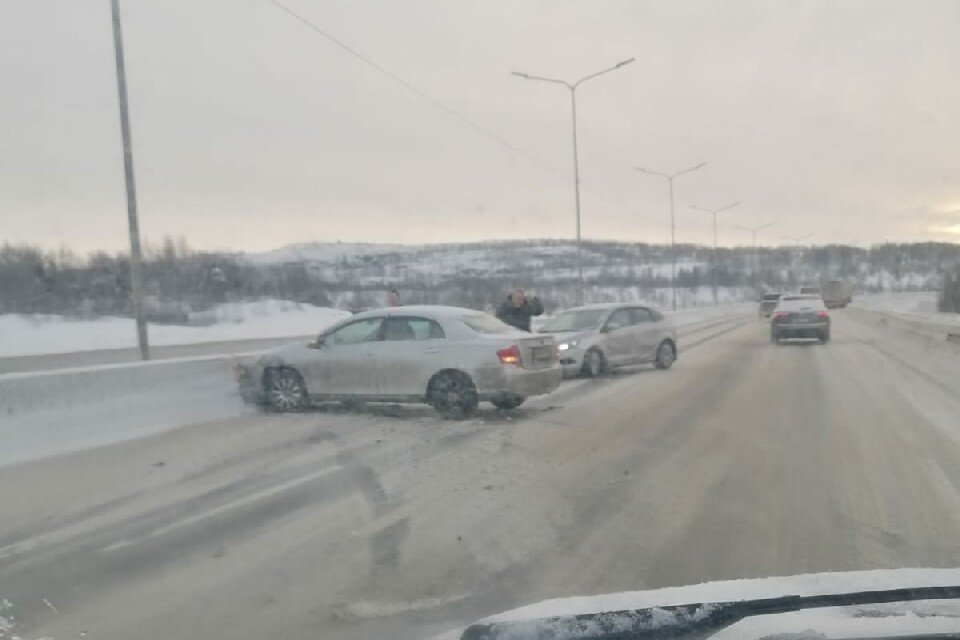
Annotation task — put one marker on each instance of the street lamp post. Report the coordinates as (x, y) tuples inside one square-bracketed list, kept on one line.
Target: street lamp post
[(715, 213), (796, 240), (136, 288), (755, 231), (670, 177), (572, 86)]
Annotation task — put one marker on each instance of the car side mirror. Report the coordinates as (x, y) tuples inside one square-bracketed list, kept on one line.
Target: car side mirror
[(611, 326), (318, 343)]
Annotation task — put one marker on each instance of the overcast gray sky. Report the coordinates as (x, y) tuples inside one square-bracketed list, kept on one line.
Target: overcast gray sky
[(840, 119)]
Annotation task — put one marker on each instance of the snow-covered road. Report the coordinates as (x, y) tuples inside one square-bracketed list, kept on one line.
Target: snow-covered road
[(745, 460)]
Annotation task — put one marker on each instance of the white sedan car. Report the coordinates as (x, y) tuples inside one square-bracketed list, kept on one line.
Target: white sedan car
[(448, 357), (598, 337)]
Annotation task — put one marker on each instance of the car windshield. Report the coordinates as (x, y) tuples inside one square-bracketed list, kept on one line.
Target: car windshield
[(369, 319), (577, 320)]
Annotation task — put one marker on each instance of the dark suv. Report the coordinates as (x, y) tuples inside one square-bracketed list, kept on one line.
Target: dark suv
[(767, 303), (800, 317)]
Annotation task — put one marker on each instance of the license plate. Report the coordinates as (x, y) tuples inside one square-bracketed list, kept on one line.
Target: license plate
[(542, 353)]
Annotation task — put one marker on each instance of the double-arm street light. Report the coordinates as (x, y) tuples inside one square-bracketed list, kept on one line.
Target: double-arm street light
[(670, 177), (715, 213), (572, 86), (755, 231)]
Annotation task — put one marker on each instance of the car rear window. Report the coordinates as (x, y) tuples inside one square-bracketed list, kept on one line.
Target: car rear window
[(806, 302), (771, 296), (483, 323)]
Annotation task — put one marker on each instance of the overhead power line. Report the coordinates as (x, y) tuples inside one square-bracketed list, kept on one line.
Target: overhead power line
[(626, 207), (418, 92)]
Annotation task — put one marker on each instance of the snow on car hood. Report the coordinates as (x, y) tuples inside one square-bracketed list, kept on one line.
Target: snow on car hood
[(875, 620)]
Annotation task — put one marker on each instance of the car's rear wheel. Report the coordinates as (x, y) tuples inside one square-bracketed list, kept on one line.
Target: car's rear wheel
[(507, 403), (284, 389), (666, 355), (453, 394), (775, 336), (825, 337), (594, 363)]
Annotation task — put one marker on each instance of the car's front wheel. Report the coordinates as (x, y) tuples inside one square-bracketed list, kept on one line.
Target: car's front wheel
[(507, 403), (453, 394), (594, 363), (666, 355), (284, 389)]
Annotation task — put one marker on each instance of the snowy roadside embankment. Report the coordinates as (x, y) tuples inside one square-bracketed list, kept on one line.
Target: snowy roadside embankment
[(22, 335), (913, 311)]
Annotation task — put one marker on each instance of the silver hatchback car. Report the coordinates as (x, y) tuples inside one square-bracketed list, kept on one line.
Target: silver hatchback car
[(449, 357), (595, 338)]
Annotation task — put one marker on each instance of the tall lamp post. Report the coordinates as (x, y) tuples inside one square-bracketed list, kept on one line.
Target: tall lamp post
[(670, 177), (572, 86), (715, 213), (136, 288), (754, 231)]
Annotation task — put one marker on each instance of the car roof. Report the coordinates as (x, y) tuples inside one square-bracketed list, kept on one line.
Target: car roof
[(434, 311), (603, 306)]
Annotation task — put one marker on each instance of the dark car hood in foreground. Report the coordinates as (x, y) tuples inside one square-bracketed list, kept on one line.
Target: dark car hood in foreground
[(901, 603)]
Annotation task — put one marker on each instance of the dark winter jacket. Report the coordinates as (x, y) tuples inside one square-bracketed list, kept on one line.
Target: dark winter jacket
[(519, 317)]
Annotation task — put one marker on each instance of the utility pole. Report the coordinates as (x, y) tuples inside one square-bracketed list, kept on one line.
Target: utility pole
[(670, 177), (136, 283), (715, 213), (755, 231), (572, 86)]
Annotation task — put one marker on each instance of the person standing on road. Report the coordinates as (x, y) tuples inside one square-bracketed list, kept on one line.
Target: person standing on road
[(518, 309), (393, 298)]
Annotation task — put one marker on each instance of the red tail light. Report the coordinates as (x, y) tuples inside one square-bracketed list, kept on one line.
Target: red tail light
[(510, 355), (822, 314), (779, 315)]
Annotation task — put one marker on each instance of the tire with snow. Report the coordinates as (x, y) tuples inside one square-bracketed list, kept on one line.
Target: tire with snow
[(594, 363), (666, 355), (453, 394), (284, 390)]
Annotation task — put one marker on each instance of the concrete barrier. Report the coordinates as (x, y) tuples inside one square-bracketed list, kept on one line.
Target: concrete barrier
[(45, 390), (45, 413)]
